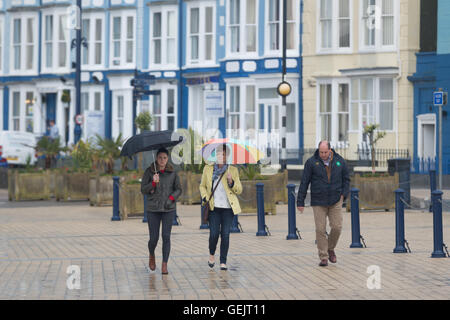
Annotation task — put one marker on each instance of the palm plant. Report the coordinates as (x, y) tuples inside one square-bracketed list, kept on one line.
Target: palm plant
[(50, 149), (109, 151), (251, 172)]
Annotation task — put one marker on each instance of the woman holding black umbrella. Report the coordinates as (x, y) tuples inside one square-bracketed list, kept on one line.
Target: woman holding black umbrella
[(162, 186)]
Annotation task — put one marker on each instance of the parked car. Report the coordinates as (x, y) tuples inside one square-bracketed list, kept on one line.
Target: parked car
[(16, 147)]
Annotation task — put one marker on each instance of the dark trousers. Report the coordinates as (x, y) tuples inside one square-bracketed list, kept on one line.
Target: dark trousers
[(155, 219), (220, 221)]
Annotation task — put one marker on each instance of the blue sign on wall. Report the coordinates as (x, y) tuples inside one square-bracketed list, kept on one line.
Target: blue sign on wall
[(438, 98)]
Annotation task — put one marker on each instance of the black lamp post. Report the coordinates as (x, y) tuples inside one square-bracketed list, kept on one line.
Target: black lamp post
[(284, 89), (78, 74)]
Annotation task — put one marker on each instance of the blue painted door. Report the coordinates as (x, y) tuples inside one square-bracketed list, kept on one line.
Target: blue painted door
[(50, 101)]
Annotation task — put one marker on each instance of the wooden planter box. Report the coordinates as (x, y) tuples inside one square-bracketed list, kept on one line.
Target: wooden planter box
[(52, 181), (247, 199), (190, 183), (278, 183), (28, 186), (131, 201), (101, 188), (375, 193), (72, 186)]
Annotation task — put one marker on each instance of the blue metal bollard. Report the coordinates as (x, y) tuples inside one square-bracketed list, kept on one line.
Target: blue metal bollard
[(399, 222), (432, 185), (292, 227), (235, 225), (145, 209), (260, 205), (115, 216), (436, 198), (356, 232), (203, 225)]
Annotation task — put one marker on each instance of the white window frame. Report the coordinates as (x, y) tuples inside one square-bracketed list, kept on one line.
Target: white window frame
[(242, 32), (164, 65), (201, 34), (24, 16), (164, 88), (2, 47), (379, 47), (334, 82), (289, 52), (376, 102), (22, 90), (335, 49), (55, 68), (92, 42), (123, 64), (1, 113)]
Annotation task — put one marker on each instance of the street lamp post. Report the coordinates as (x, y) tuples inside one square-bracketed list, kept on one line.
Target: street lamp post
[(284, 89), (78, 73)]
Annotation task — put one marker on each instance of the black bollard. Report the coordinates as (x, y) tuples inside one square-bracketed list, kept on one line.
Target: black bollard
[(436, 198), (260, 204), (292, 226), (399, 222), (115, 216), (356, 233)]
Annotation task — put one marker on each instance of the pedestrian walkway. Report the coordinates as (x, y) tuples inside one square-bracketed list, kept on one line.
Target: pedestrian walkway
[(39, 243)]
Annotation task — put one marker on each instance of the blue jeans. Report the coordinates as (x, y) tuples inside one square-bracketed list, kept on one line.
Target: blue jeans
[(220, 221)]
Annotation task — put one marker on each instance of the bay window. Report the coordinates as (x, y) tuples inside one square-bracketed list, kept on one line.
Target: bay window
[(334, 25), (122, 39), (333, 110), (378, 26), (274, 26), (23, 43), (56, 42), (92, 55), (163, 36), (372, 103), (201, 31), (242, 27)]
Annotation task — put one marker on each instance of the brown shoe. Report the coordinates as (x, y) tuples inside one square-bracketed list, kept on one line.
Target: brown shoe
[(164, 268), (152, 263), (323, 263), (332, 256)]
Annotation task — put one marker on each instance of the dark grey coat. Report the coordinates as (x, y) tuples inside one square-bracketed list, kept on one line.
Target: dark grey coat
[(158, 197), (324, 192)]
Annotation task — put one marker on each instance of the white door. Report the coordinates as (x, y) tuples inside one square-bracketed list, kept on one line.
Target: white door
[(428, 146), (269, 124)]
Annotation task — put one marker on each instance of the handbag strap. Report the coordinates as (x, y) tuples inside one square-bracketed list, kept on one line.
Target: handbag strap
[(216, 186)]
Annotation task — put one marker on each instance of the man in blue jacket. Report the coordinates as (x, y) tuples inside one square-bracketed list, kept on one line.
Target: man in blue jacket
[(327, 173)]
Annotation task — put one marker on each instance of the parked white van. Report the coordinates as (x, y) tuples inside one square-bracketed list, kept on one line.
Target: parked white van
[(16, 147)]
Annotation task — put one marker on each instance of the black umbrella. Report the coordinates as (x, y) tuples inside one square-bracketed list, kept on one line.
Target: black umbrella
[(148, 141)]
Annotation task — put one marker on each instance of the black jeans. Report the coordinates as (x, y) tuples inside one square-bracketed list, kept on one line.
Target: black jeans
[(154, 220), (220, 221)]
